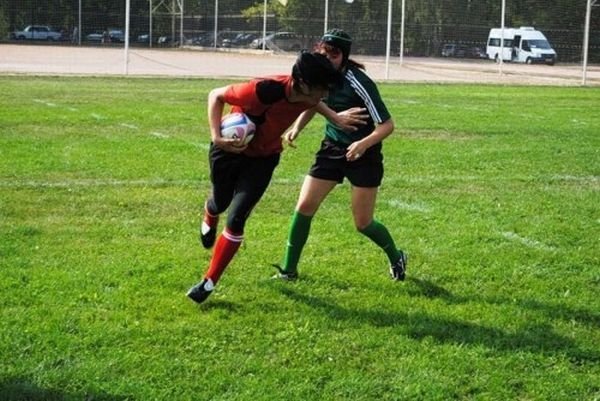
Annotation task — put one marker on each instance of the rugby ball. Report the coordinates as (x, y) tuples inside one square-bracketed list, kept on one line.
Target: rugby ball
[(237, 126)]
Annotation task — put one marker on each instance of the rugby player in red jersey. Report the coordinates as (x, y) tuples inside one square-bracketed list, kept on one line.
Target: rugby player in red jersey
[(241, 174)]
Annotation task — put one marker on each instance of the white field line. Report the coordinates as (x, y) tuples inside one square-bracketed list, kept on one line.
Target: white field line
[(584, 180), (97, 183), (413, 207), (49, 104), (160, 135), (286, 181), (99, 117), (197, 145), (509, 235), (578, 122), (431, 178), (592, 179), (73, 109), (92, 182), (70, 108)]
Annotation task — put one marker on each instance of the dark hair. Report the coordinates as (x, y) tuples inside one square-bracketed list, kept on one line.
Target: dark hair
[(322, 46), (315, 70), (356, 64), (341, 40)]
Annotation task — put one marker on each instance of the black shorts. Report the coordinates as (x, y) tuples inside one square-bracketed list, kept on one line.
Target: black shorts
[(238, 182), (331, 164)]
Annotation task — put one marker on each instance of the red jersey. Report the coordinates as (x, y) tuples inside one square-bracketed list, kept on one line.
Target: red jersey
[(264, 101)]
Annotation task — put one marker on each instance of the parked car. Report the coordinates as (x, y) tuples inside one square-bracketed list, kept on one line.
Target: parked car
[(116, 35), (205, 39), (243, 40), (143, 38), (225, 38), (168, 41), (454, 50), (476, 52), (36, 32), (112, 35), (240, 39), (96, 37), (286, 41)]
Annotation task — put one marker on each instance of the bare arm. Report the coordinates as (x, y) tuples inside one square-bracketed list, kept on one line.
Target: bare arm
[(290, 135), (216, 104), (358, 148), (348, 120)]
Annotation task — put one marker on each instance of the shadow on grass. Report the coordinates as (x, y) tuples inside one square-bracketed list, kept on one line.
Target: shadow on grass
[(532, 338), (218, 304), (428, 289), (585, 317), (22, 389)]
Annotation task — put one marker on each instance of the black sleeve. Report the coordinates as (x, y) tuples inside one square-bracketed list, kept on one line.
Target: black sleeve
[(269, 91)]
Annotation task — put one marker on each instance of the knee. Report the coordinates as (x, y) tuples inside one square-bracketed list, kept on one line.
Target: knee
[(306, 207), (362, 224), (236, 223), (213, 208)]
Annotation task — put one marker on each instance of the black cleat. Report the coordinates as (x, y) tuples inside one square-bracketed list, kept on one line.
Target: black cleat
[(283, 275), (208, 235), (398, 269), (201, 291)]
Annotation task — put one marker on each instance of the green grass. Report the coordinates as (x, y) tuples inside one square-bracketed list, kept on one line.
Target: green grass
[(492, 190)]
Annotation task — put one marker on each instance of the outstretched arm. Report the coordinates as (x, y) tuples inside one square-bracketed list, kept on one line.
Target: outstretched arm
[(347, 120), (290, 135)]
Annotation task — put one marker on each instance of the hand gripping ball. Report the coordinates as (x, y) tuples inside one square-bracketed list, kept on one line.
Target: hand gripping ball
[(237, 126)]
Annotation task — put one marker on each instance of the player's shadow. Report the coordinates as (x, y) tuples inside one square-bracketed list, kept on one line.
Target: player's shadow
[(219, 304), (585, 317), (533, 337), (23, 389)]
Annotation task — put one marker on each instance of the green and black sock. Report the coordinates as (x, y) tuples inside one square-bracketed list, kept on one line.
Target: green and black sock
[(380, 235), (299, 229)]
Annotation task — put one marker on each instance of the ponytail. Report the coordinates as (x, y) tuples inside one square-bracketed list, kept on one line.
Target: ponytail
[(355, 64)]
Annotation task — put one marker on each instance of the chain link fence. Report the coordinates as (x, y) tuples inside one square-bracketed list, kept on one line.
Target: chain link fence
[(449, 30)]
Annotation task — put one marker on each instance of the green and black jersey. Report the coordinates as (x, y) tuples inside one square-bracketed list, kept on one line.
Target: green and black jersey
[(358, 90)]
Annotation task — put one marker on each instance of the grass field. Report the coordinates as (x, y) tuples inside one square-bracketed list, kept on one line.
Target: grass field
[(493, 191)]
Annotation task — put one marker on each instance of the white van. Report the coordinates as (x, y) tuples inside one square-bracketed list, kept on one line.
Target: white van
[(521, 45)]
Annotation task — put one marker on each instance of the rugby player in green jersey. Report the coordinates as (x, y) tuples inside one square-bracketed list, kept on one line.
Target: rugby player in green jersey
[(355, 155)]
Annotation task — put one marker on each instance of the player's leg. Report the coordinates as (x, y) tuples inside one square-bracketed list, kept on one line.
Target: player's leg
[(251, 186), (324, 174), (252, 183), (313, 192), (209, 224), (224, 169), (363, 207), (366, 175)]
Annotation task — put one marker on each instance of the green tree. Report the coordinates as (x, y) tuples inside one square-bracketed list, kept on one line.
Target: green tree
[(4, 24)]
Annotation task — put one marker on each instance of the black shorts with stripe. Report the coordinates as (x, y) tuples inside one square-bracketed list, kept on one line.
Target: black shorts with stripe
[(331, 164)]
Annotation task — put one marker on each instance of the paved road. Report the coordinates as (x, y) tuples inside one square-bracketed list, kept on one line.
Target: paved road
[(67, 60)]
